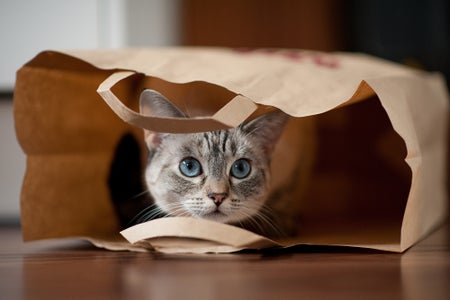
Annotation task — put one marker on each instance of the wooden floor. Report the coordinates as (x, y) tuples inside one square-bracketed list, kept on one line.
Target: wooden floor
[(76, 270)]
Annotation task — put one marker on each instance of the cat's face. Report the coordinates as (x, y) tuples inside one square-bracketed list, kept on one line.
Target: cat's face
[(222, 175)]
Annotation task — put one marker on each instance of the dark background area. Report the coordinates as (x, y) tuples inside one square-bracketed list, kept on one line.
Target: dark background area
[(415, 32)]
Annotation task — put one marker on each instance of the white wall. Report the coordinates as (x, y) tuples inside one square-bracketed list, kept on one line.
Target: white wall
[(28, 27), (12, 164)]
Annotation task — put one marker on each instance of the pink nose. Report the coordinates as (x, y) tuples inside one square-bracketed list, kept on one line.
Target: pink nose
[(217, 198)]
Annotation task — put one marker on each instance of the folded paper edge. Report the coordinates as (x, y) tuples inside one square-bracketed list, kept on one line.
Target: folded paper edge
[(170, 227), (235, 112)]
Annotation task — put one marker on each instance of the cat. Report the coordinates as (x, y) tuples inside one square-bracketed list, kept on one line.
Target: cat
[(223, 175)]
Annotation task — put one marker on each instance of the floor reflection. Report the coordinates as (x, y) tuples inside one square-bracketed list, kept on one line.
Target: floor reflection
[(305, 272), (425, 268)]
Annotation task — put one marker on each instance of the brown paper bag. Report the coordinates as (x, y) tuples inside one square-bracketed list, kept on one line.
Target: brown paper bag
[(379, 177)]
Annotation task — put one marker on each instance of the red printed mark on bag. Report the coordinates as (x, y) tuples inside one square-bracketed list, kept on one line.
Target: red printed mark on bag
[(320, 59)]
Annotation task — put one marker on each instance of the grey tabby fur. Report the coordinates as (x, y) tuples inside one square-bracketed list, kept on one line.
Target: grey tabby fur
[(242, 201)]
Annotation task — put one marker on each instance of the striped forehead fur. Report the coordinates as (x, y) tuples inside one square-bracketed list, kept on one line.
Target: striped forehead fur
[(214, 191)]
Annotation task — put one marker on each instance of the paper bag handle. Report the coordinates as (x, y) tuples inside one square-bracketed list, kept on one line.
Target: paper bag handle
[(236, 111)]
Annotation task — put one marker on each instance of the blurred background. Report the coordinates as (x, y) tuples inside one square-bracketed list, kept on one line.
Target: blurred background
[(411, 32)]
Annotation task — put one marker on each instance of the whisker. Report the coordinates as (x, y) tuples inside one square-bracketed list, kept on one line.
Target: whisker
[(148, 213), (271, 217), (264, 219), (275, 229), (138, 195), (252, 220), (177, 209)]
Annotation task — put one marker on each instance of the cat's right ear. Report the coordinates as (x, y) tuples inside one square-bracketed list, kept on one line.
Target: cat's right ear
[(152, 103)]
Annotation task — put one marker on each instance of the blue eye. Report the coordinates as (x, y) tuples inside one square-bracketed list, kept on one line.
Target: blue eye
[(241, 168), (190, 167)]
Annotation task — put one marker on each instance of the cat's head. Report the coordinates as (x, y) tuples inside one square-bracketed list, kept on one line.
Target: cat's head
[(220, 175)]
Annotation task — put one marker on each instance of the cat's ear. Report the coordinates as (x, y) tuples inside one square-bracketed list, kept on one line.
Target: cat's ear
[(266, 129), (152, 103)]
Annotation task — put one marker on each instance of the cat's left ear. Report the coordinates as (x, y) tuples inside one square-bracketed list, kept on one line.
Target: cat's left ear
[(152, 103), (266, 129)]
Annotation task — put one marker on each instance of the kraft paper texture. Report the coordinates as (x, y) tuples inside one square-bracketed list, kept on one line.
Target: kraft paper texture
[(379, 180)]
